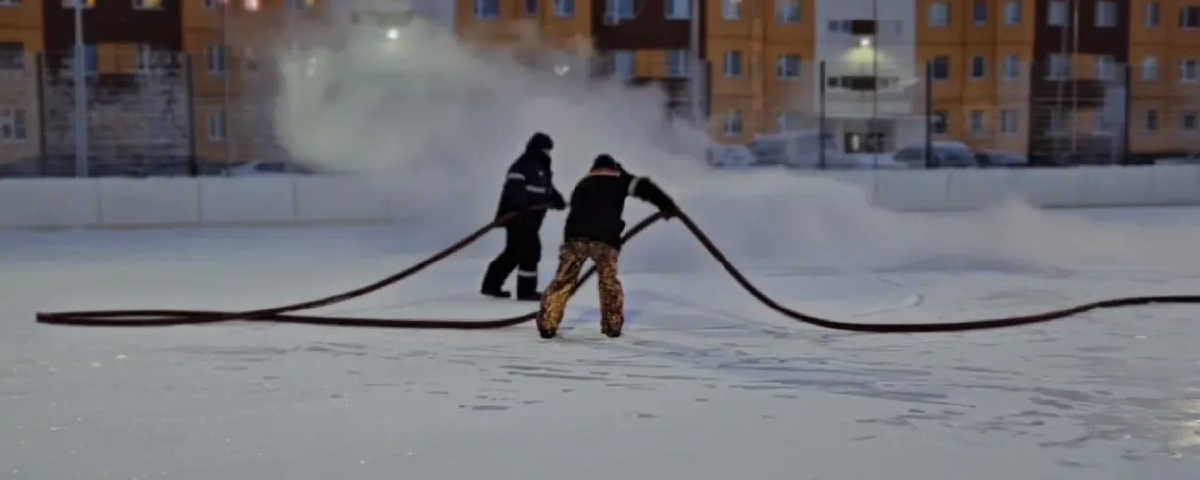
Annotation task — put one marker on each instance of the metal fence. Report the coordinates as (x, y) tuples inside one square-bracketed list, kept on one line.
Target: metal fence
[(961, 111), (144, 114), (176, 114)]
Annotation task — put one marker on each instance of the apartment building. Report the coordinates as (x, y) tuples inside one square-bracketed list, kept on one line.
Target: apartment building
[(641, 41), (233, 77), (1050, 78), (20, 34), (167, 82)]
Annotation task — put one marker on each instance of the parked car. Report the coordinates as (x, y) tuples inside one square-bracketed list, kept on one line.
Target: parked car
[(808, 149), (731, 156), (946, 154), (259, 168), (998, 159)]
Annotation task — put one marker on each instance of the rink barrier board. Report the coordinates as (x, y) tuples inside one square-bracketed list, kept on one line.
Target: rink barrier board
[(182, 202)]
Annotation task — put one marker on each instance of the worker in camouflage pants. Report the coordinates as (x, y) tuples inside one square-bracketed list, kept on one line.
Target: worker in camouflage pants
[(571, 258), (593, 232)]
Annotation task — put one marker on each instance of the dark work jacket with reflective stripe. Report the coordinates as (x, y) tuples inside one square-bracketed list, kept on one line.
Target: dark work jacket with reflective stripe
[(528, 182), (598, 203)]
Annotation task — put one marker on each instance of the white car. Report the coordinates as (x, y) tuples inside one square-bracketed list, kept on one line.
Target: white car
[(257, 168)]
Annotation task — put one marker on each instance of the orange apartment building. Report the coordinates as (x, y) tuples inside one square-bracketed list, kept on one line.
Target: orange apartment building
[(1045, 77), (1036, 76), (169, 82)]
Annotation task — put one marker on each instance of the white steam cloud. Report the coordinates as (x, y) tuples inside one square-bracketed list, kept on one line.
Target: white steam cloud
[(436, 124)]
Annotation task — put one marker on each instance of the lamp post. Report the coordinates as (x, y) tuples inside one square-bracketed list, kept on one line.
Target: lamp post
[(80, 74), (697, 72)]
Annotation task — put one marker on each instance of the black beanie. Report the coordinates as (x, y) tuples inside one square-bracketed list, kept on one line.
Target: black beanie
[(538, 142), (605, 160)]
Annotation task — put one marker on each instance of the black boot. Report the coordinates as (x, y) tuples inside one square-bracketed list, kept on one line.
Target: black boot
[(495, 293), (527, 289)]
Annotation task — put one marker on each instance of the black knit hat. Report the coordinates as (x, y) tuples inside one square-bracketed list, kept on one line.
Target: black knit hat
[(605, 160), (538, 142)]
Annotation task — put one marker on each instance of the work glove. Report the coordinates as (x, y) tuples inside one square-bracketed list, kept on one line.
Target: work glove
[(669, 211)]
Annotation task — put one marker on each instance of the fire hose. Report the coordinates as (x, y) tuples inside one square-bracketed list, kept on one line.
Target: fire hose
[(285, 314)]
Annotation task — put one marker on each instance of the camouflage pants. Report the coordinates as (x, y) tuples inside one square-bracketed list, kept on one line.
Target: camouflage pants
[(572, 256)]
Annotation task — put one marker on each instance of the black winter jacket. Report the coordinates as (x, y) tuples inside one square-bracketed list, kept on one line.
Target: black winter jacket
[(598, 202), (529, 182)]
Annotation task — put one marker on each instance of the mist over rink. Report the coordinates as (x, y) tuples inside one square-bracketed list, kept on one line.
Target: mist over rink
[(437, 123), (706, 384)]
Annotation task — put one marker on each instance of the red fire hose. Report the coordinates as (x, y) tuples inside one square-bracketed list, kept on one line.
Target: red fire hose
[(284, 314)]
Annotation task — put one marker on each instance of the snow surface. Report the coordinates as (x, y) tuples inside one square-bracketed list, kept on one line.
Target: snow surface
[(706, 384)]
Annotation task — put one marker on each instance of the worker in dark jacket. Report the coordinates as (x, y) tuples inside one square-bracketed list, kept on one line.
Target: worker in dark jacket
[(527, 184), (593, 231)]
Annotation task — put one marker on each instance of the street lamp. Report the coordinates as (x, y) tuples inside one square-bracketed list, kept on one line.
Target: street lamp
[(393, 33), (81, 120)]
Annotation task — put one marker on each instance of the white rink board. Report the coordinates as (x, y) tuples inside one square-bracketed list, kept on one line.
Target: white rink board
[(161, 202)]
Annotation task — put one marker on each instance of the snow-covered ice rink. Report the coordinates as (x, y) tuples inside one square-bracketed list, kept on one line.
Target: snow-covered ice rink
[(706, 384)]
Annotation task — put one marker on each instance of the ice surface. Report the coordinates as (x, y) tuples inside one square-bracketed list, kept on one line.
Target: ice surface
[(706, 384)]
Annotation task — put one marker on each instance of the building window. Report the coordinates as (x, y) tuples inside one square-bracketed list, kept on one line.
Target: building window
[(939, 68), (251, 5), (1189, 18), (1056, 13), (677, 63), (1102, 124), (787, 12), (14, 126), (787, 67), (564, 8), (300, 5), (621, 10), (1058, 122), (72, 3), (679, 9), (91, 60), (978, 122), (1106, 13), (1190, 120), (12, 56), (216, 60), (733, 123), (1059, 67), (487, 9), (216, 126), (145, 57), (939, 122), (1153, 14), (531, 8), (1012, 13), (250, 60), (788, 121), (624, 64), (1150, 69), (733, 64), (980, 11), (1105, 68), (731, 9), (1187, 71), (1012, 67), (213, 4), (978, 68), (939, 14), (147, 4), (1009, 122), (1150, 121)]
